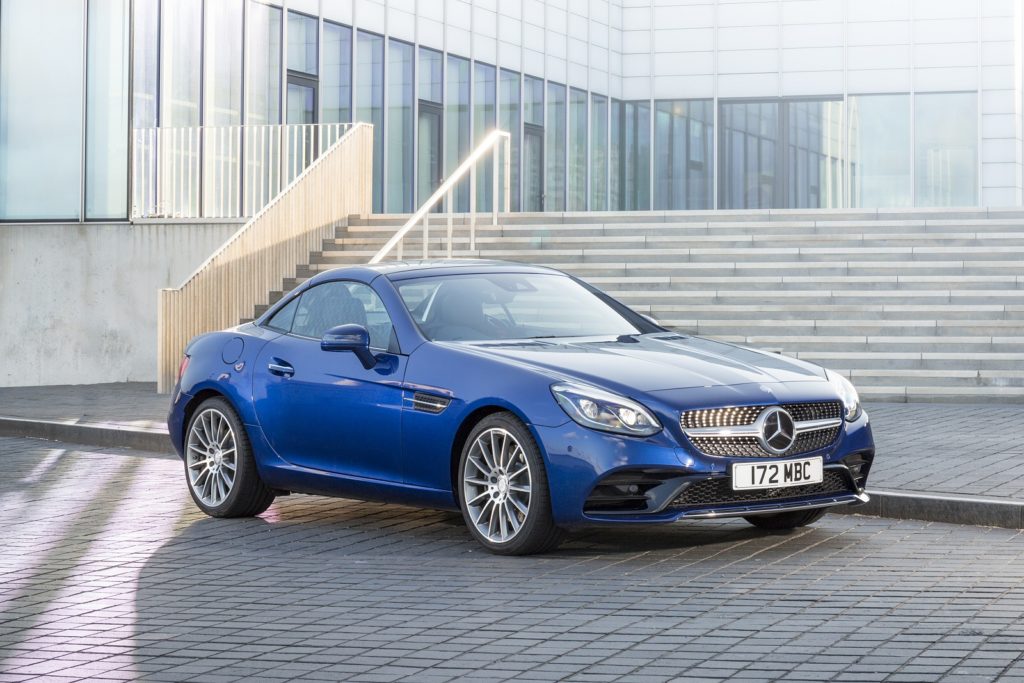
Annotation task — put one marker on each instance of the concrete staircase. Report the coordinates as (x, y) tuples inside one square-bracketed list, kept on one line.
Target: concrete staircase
[(911, 305)]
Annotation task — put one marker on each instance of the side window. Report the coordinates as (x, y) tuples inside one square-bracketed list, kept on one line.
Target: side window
[(342, 303), (282, 320)]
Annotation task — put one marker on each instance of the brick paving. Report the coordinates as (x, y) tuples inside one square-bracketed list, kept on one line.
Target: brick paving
[(981, 446), (109, 572)]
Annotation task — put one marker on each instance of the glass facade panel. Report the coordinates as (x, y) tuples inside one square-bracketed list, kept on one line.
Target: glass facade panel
[(457, 131), (429, 165), (533, 144), (484, 122), (634, 175), (598, 153), (370, 103), (814, 154), (40, 144), (946, 149), (554, 149), (879, 130), (180, 78), (145, 63), (399, 126), (509, 105), (263, 78), (747, 151), (106, 134), (616, 199), (223, 63), (336, 79), (576, 196), (682, 154), (302, 32)]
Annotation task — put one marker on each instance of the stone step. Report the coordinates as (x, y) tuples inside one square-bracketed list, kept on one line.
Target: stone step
[(937, 378), (699, 310), (1007, 281), (911, 360), (821, 296), (933, 394), (791, 344), (849, 327)]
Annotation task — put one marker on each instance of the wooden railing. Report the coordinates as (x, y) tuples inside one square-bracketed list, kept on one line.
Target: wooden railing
[(229, 285)]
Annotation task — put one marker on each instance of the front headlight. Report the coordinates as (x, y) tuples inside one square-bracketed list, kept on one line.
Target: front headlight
[(603, 410), (847, 394)]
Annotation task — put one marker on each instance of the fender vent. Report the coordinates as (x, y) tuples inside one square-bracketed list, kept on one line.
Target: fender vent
[(428, 403)]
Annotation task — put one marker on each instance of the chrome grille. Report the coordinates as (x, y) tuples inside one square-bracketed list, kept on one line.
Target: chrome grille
[(749, 445)]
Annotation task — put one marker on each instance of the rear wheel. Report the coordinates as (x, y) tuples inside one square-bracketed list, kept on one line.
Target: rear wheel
[(504, 489), (783, 521), (219, 467)]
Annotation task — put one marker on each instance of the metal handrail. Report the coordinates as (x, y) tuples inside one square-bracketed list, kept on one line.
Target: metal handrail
[(489, 142)]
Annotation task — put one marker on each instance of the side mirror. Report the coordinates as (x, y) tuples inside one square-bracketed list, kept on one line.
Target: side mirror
[(352, 338)]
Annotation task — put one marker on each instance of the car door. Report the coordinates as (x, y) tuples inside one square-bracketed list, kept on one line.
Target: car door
[(323, 409)]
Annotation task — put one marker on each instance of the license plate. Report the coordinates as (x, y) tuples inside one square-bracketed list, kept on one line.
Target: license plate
[(776, 475)]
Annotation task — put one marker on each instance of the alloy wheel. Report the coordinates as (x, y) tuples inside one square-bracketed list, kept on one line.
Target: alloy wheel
[(496, 485), (211, 457)]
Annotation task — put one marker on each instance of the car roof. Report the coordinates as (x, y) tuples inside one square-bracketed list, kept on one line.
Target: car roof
[(404, 270)]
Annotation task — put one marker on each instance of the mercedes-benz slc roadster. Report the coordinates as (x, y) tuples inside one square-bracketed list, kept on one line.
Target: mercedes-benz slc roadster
[(522, 396)]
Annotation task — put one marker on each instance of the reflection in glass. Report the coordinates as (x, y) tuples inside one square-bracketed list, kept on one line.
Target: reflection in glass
[(457, 133), (106, 134), (370, 103), (399, 127), (483, 123), (430, 119), (616, 199), (634, 174), (301, 104), (145, 61), (533, 144), (554, 151), (598, 153), (576, 197), (336, 79), (946, 149), (302, 43), (814, 158), (747, 152), (263, 76), (879, 129), (682, 154), (40, 157), (182, 26), (223, 63), (509, 121)]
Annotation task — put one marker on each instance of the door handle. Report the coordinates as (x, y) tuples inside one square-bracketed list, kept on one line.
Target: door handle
[(280, 368)]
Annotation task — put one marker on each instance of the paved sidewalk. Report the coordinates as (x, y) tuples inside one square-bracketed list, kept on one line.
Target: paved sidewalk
[(109, 572), (938, 448)]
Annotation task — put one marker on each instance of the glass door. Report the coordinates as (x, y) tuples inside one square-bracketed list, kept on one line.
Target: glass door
[(300, 141), (533, 167)]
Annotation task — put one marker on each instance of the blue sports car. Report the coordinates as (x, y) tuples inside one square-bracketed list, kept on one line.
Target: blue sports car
[(523, 396)]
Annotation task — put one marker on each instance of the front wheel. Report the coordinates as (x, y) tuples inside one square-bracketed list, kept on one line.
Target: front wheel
[(504, 489), (784, 521), (219, 466)]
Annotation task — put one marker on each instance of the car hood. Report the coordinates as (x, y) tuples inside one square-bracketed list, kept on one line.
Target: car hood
[(651, 362)]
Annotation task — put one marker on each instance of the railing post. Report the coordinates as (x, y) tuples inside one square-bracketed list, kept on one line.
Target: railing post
[(451, 209), (472, 208)]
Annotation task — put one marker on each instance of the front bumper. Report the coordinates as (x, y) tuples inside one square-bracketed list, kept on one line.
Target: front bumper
[(598, 478)]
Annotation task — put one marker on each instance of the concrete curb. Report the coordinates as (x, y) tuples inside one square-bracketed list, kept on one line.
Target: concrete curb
[(941, 507), (88, 434), (930, 507)]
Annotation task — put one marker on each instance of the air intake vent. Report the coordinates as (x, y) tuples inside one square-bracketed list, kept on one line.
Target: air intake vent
[(428, 403)]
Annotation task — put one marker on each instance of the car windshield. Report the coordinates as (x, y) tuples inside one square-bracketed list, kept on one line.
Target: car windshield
[(508, 306)]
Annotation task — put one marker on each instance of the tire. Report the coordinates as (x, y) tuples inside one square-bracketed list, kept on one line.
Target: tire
[(503, 489), (784, 521), (213, 428)]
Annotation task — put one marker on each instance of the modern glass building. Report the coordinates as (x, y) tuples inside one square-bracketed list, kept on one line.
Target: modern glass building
[(612, 104)]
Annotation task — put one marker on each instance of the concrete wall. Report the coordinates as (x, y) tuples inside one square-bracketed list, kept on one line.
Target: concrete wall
[(78, 301)]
